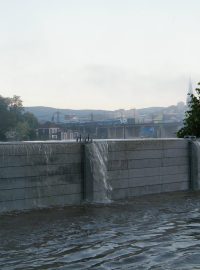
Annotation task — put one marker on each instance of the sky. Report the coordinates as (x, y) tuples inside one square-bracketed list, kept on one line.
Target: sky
[(99, 54)]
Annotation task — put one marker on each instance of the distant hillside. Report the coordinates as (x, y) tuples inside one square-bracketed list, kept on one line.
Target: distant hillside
[(46, 113), (150, 110)]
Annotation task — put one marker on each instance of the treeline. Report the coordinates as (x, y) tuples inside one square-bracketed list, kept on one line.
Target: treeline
[(191, 123), (15, 123)]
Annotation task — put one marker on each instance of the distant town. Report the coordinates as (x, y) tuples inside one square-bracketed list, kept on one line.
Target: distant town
[(20, 123), (65, 124)]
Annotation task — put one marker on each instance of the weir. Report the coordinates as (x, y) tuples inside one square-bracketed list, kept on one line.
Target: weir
[(40, 174), (48, 174)]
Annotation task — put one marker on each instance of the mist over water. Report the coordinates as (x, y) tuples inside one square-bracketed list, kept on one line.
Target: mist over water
[(151, 232)]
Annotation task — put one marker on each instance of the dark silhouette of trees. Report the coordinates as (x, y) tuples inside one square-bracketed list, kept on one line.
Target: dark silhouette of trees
[(16, 124), (192, 117)]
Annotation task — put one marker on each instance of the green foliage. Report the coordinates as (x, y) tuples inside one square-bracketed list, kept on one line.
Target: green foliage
[(192, 117), (14, 123), (22, 131)]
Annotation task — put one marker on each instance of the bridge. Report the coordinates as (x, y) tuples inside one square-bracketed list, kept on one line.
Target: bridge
[(126, 131)]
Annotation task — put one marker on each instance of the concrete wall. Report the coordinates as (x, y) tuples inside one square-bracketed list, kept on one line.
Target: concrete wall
[(194, 157), (36, 175), (138, 167), (147, 166), (39, 175)]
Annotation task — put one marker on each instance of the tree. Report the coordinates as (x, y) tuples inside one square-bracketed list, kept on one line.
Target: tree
[(29, 125), (22, 131), (14, 122), (6, 119), (16, 108), (192, 117)]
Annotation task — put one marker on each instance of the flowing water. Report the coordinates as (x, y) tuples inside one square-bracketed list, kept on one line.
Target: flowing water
[(98, 158), (151, 232)]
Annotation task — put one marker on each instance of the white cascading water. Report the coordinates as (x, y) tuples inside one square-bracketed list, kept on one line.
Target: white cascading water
[(98, 152)]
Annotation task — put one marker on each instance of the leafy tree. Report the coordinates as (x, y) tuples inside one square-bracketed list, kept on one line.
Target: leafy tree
[(22, 131), (192, 117), (16, 108), (13, 120), (30, 119), (6, 119), (28, 127)]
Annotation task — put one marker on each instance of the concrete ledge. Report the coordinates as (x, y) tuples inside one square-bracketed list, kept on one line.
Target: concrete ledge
[(146, 163), (146, 144), (145, 172), (27, 182), (126, 193), (41, 148), (147, 154), (34, 160), (34, 203), (148, 181), (40, 170), (41, 192)]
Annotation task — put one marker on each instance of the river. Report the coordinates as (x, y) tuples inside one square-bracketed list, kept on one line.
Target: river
[(150, 232)]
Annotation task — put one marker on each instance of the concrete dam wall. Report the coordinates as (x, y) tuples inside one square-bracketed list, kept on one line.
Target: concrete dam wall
[(47, 174), (36, 175), (138, 167)]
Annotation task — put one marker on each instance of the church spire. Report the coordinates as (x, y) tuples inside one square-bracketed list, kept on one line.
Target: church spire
[(190, 92)]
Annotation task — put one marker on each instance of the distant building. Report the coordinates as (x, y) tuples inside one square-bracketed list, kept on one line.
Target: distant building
[(51, 131), (11, 135), (48, 132), (69, 134)]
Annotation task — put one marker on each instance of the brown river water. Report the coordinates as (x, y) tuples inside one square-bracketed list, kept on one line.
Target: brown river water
[(150, 232)]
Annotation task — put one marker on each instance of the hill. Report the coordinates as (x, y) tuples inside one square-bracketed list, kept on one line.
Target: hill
[(45, 114)]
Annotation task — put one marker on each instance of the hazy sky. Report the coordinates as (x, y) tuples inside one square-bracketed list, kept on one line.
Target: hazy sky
[(103, 54)]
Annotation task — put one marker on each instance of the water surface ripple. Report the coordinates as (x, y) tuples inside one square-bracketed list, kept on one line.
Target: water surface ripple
[(151, 232)]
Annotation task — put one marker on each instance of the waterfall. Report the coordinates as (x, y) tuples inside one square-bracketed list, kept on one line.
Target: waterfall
[(97, 182)]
